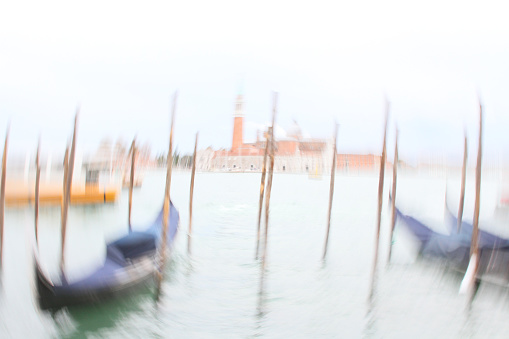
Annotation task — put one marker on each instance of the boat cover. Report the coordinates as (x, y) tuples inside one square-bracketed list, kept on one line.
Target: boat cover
[(455, 247), (119, 270)]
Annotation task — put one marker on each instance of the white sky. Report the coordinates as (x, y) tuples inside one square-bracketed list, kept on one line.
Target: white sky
[(328, 60)]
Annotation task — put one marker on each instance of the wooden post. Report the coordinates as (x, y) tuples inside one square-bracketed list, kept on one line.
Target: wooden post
[(166, 207), (473, 266), (269, 179), (131, 181), (2, 195), (193, 170), (463, 177), (393, 190), (37, 184), (331, 191), (64, 184), (262, 190), (67, 191), (379, 210)]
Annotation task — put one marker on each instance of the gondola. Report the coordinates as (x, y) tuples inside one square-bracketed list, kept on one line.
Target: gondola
[(131, 262), (453, 248)]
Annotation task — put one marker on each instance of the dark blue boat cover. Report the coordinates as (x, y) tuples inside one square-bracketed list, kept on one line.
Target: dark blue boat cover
[(130, 246), (454, 247), (486, 239), (134, 244)]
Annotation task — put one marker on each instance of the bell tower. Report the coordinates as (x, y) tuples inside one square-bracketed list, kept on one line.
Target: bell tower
[(238, 125)]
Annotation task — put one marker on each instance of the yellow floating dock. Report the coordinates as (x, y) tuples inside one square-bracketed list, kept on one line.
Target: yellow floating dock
[(18, 193)]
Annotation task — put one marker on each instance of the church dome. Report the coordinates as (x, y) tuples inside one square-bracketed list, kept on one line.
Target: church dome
[(294, 131)]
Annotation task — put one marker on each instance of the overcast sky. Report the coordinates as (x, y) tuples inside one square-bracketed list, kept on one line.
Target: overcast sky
[(329, 61)]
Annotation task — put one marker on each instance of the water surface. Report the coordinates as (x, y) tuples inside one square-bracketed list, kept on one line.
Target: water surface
[(216, 291)]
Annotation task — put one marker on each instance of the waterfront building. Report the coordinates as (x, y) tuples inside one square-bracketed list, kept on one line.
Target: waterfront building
[(294, 153)]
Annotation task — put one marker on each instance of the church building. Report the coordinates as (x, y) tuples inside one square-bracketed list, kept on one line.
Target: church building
[(294, 153)]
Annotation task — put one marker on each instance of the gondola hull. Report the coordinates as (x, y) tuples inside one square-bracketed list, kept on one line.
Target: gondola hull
[(453, 249), (131, 278), (131, 263)]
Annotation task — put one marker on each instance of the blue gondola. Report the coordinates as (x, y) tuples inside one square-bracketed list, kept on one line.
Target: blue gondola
[(454, 247), (131, 262)]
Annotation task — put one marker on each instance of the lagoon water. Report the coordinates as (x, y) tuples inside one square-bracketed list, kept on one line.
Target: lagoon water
[(216, 291)]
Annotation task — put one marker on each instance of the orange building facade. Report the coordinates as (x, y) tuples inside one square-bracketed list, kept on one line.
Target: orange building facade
[(293, 153)]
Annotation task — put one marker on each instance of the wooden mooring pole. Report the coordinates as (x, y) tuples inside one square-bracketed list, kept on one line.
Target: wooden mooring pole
[(37, 184), (262, 191), (331, 190), (62, 204), (379, 210), (269, 179), (67, 192), (393, 200), (470, 279), (191, 190), (131, 182), (2, 195), (463, 178), (166, 207)]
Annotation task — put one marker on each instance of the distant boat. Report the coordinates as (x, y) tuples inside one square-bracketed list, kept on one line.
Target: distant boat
[(19, 194), (130, 263)]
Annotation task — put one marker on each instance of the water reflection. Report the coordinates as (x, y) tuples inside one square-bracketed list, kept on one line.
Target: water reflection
[(260, 306), (116, 315), (370, 327), (77, 322)]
